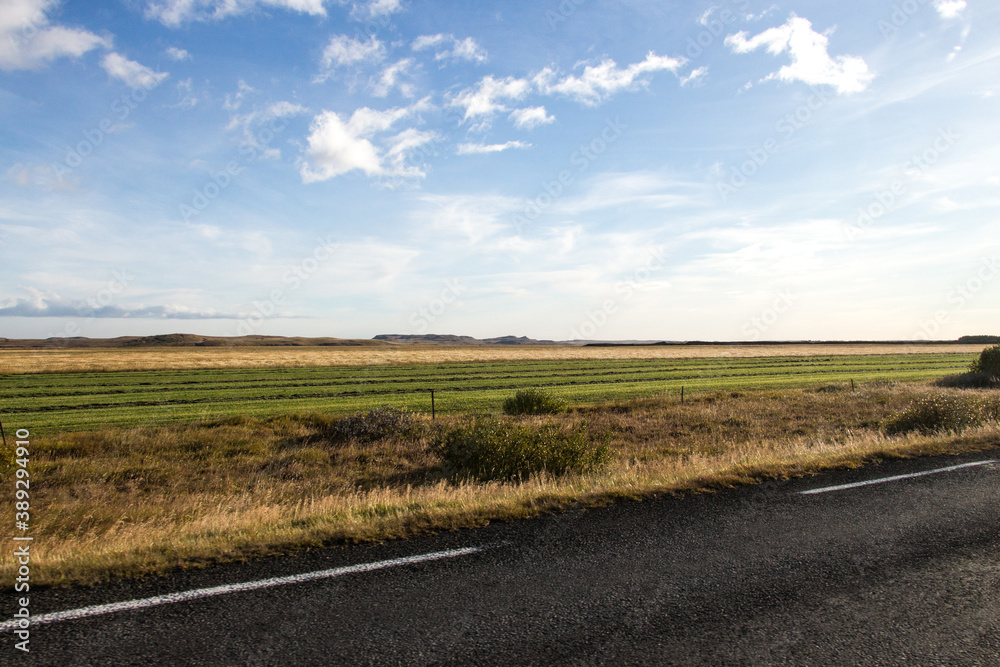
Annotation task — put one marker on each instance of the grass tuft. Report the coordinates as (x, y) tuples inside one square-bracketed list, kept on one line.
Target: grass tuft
[(533, 402), (943, 413), (376, 424), (490, 449), (970, 380)]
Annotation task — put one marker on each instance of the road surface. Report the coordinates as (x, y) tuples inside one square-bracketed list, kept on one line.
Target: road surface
[(904, 571)]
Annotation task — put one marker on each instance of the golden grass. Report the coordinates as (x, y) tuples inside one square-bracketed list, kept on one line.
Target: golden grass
[(184, 358), (128, 502)]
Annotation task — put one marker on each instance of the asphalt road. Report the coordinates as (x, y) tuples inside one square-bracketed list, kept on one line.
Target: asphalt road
[(902, 572)]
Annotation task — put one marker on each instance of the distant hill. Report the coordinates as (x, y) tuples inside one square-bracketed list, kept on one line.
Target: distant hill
[(393, 340), (979, 339), (449, 339), (187, 340)]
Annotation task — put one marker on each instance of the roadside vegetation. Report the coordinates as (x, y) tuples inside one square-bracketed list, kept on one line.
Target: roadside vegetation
[(136, 500)]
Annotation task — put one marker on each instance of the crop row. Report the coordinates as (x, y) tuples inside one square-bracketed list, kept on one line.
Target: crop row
[(87, 400)]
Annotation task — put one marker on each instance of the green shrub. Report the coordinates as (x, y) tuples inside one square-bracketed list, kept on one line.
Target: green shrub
[(490, 449), (376, 424), (988, 362), (533, 402), (969, 381), (943, 413)]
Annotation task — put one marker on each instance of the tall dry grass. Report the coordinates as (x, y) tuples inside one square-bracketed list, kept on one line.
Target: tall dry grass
[(125, 502), (186, 358)]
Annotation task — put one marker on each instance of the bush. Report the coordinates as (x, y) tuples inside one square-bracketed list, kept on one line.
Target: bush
[(988, 362), (376, 424), (489, 449), (969, 381), (943, 413), (533, 402)]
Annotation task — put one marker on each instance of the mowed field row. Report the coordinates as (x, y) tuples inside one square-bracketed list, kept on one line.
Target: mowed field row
[(52, 402)]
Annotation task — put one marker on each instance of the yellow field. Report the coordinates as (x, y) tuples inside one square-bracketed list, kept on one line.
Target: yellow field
[(182, 358)]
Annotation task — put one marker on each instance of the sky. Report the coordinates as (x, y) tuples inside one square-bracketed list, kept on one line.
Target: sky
[(574, 169)]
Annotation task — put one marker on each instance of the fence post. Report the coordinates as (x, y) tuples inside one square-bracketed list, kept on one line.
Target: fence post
[(433, 417)]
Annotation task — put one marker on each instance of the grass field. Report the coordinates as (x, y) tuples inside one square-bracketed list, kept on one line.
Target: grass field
[(141, 471), (66, 401), (14, 361)]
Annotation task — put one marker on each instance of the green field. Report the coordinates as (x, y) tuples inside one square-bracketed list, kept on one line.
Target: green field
[(51, 402)]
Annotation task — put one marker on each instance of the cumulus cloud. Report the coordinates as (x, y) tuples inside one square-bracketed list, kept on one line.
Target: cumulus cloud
[(449, 47), (949, 9), (177, 54), (599, 82), (807, 49), (174, 13), (28, 41), (343, 50), (390, 78), (530, 117), (132, 73), (374, 9), (487, 96), (479, 149), (337, 146)]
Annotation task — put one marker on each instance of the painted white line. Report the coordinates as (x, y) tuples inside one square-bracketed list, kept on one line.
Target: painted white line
[(184, 596), (893, 479)]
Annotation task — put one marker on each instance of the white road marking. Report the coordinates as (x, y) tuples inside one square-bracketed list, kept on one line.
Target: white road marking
[(184, 596), (893, 479)]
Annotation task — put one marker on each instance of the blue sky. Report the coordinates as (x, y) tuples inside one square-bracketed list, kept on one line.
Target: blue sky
[(720, 170)]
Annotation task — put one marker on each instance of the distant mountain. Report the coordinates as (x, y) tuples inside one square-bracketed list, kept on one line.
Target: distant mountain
[(449, 339)]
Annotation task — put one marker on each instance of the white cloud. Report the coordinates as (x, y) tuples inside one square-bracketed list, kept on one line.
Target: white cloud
[(336, 146), (811, 63), (375, 9), (530, 117), (250, 122), (389, 79), (178, 54), (695, 76), (173, 13), (485, 98), (641, 190), (27, 41), (476, 218), (457, 49), (402, 146), (50, 304), (429, 41), (130, 72), (185, 91), (478, 149), (601, 81), (949, 9), (343, 50)]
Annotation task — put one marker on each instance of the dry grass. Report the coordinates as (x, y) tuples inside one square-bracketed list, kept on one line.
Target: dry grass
[(128, 502), (183, 358)]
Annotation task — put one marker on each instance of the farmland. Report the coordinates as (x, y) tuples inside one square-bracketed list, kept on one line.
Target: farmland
[(144, 461), (67, 401)]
